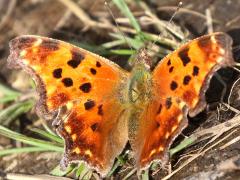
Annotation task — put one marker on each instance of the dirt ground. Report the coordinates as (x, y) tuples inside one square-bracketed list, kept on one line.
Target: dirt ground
[(53, 19)]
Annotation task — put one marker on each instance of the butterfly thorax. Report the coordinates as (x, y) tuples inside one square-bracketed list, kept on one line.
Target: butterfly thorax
[(140, 83)]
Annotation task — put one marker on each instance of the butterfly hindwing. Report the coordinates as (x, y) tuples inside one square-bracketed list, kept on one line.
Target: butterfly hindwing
[(89, 86)]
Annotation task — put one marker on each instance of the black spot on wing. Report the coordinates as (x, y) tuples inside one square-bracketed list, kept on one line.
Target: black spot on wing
[(67, 82), (73, 63), (173, 85), (169, 62), (93, 71), (89, 104), (98, 64), (86, 87), (57, 73), (195, 71), (159, 109), (168, 103), (94, 126), (100, 110), (186, 79), (183, 54), (171, 69)]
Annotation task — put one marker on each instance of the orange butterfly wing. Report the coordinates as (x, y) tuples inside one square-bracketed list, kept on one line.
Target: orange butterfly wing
[(89, 86), (179, 84)]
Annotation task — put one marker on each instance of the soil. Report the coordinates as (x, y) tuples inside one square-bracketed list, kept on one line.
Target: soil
[(51, 18)]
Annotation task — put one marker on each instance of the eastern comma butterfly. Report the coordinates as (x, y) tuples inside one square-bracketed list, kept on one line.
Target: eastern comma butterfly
[(98, 107)]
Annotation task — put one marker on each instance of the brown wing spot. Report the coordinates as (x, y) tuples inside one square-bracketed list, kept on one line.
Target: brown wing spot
[(188, 96), (168, 103), (76, 59), (23, 42), (169, 62), (173, 85), (49, 45), (57, 73), (186, 79), (89, 104), (204, 42), (159, 109), (59, 98), (195, 71), (158, 124), (94, 126), (98, 64), (86, 87), (183, 54), (93, 71), (171, 69), (100, 110), (67, 82)]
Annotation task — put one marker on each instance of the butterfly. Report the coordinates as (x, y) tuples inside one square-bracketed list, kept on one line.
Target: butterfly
[(98, 107)]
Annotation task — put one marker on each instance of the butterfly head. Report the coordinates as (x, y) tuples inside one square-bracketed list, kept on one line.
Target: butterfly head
[(143, 59)]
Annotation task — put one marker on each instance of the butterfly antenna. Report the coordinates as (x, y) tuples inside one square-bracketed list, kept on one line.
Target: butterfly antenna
[(111, 13), (168, 23)]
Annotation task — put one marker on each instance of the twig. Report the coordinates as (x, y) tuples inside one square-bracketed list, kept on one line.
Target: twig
[(232, 21), (230, 142), (14, 176), (79, 12), (63, 19), (209, 21), (196, 156)]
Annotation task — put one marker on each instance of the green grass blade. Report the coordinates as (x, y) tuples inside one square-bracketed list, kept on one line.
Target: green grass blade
[(58, 172), (4, 152), (28, 140), (7, 98), (185, 143), (112, 44), (120, 162), (123, 52), (8, 91), (136, 43), (145, 175), (83, 172), (13, 111), (80, 169), (49, 136), (121, 4)]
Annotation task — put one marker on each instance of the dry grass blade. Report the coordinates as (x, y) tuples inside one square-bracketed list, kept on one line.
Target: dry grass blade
[(12, 176), (196, 156), (236, 139)]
